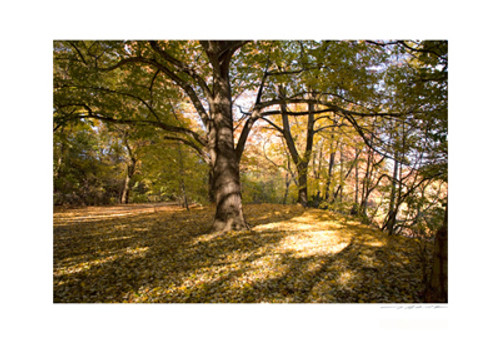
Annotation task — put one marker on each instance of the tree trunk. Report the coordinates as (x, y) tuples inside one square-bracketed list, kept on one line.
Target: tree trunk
[(302, 170), (338, 193), (391, 216), (226, 173), (287, 187), (437, 287), (229, 211), (365, 189), (355, 206), (331, 162), (356, 200), (131, 163), (126, 184), (211, 187), (182, 186), (301, 163)]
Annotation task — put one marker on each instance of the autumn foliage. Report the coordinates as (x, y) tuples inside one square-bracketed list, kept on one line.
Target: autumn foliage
[(353, 131), (162, 253)]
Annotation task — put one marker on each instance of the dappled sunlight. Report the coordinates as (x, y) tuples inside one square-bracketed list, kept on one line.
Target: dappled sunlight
[(344, 277), (82, 266), (375, 244), (295, 255), (314, 243), (94, 213)]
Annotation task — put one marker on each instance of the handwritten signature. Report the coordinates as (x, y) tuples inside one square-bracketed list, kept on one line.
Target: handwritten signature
[(411, 307)]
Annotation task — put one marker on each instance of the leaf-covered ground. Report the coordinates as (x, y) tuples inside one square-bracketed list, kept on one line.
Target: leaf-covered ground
[(141, 253)]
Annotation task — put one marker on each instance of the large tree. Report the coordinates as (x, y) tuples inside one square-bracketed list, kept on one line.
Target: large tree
[(193, 92)]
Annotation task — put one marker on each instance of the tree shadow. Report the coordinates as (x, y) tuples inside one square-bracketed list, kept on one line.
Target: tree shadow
[(169, 258), (112, 260)]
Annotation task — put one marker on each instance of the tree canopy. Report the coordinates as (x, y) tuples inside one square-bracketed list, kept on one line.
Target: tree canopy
[(359, 126)]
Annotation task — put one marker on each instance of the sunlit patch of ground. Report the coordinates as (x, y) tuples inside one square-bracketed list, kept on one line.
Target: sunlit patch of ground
[(98, 213), (290, 255)]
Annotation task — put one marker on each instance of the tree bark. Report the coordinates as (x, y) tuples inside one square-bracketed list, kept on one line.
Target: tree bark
[(301, 163), (341, 186), (211, 186), (329, 195), (302, 196), (391, 216), (437, 287), (182, 186), (130, 171), (126, 184), (226, 174), (287, 187)]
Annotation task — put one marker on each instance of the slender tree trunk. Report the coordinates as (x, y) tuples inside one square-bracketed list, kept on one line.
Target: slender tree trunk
[(287, 187), (131, 164), (301, 163), (62, 149), (437, 287), (355, 207), (182, 186), (341, 186), (331, 162), (356, 171), (391, 216), (126, 184), (365, 192)]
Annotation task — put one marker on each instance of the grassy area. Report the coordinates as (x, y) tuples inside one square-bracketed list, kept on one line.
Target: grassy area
[(163, 254)]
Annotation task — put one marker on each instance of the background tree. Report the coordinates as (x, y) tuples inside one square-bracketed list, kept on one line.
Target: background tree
[(210, 95)]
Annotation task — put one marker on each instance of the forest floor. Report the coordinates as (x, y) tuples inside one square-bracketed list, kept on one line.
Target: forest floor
[(162, 253)]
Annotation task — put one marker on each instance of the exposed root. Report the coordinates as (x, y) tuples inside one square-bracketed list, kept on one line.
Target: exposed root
[(233, 224)]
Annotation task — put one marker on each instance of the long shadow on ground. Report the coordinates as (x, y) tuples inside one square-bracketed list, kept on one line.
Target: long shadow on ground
[(115, 260), (168, 257)]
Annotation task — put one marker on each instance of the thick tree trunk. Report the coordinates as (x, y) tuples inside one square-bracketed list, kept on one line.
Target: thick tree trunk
[(226, 173), (437, 287), (229, 211)]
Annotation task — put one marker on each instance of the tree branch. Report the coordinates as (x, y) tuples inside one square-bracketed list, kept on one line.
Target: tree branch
[(182, 67)]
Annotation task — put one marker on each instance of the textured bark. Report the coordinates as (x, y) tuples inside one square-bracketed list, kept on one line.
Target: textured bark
[(229, 212), (437, 287), (226, 174)]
